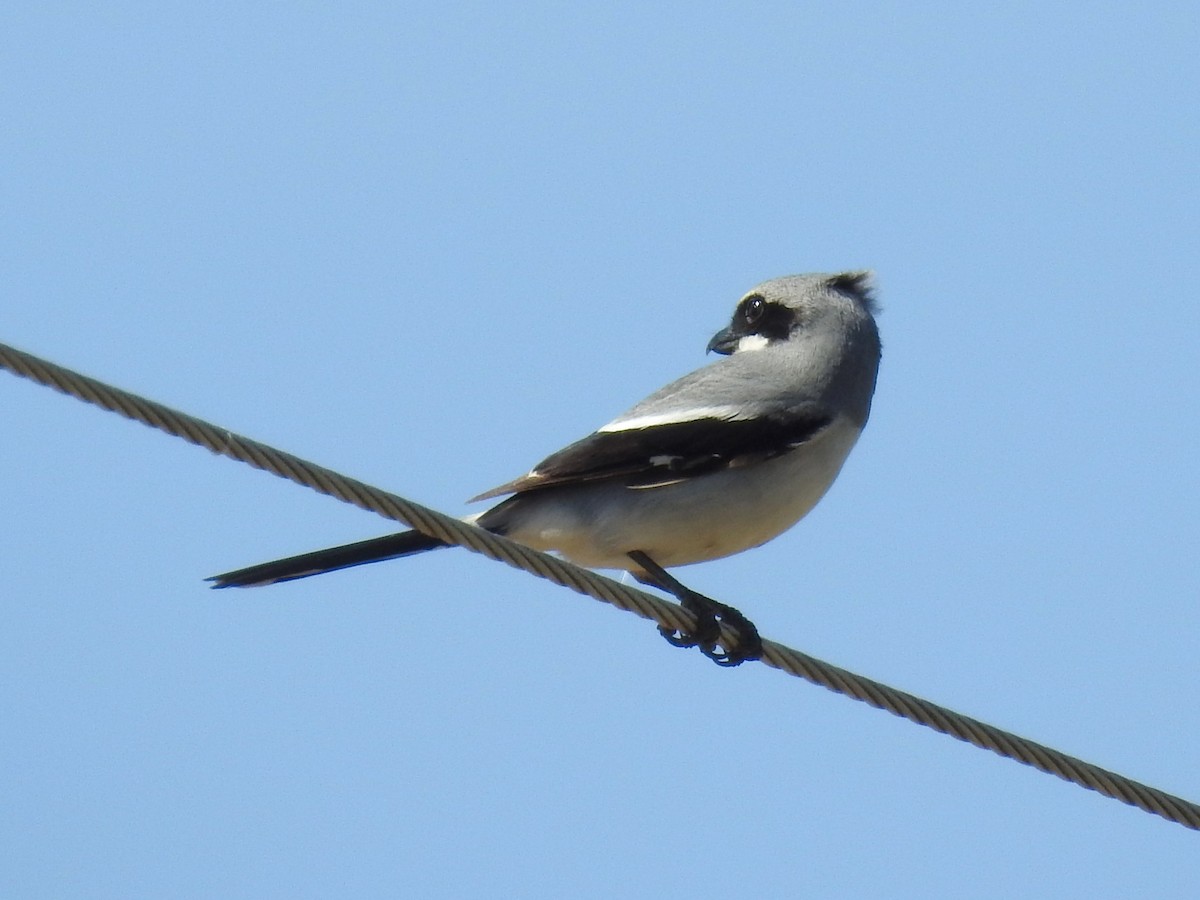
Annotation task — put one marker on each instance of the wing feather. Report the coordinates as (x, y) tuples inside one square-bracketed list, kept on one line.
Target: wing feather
[(671, 452)]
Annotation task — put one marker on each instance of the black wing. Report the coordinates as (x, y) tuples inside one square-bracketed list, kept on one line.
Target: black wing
[(672, 452)]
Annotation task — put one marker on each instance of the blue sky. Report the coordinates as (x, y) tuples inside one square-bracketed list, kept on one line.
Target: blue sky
[(426, 246)]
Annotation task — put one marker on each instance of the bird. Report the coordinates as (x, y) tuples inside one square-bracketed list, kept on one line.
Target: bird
[(720, 461)]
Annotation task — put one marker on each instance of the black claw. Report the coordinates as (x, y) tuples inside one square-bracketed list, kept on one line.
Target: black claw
[(710, 614), (748, 645), (677, 638)]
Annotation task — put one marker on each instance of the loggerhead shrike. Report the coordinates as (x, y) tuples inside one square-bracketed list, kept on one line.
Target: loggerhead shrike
[(722, 460)]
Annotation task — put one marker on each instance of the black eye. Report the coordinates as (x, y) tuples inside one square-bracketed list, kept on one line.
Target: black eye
[(753, 309)]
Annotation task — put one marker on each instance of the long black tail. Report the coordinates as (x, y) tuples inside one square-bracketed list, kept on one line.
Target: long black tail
[(391, 546)]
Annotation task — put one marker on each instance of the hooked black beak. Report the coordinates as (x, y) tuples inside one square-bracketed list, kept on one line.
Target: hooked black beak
[(723, 342)]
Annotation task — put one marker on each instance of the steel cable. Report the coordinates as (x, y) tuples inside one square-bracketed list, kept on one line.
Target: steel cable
[(584, 581)]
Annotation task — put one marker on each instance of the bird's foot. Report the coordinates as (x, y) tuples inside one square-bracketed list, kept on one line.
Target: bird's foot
[(709, 615)]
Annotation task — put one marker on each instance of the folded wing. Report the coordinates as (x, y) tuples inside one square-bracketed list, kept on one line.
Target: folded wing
[(667, 452)]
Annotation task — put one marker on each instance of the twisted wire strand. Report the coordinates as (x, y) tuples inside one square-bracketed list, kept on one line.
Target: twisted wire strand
[(561, 572)]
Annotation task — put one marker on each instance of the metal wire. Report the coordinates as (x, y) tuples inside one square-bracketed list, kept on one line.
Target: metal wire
[(454, 531)]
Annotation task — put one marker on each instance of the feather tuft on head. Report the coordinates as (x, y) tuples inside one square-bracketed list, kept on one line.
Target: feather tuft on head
[(858, 285)]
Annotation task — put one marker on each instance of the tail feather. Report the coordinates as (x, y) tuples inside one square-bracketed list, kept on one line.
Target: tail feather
[(330, 559)]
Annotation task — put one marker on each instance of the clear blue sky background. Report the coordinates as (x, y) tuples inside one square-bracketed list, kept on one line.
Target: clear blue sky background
[(426, 246)]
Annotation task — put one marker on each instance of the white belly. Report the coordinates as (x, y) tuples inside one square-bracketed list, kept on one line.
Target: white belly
[(704, 518)]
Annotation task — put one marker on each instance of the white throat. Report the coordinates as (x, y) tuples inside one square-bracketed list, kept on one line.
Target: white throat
[(751, 342)]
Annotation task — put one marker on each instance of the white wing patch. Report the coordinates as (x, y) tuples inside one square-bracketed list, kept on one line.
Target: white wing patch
[(674, 417)]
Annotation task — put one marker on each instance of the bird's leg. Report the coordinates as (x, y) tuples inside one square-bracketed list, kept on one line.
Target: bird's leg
[(709, 615)]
